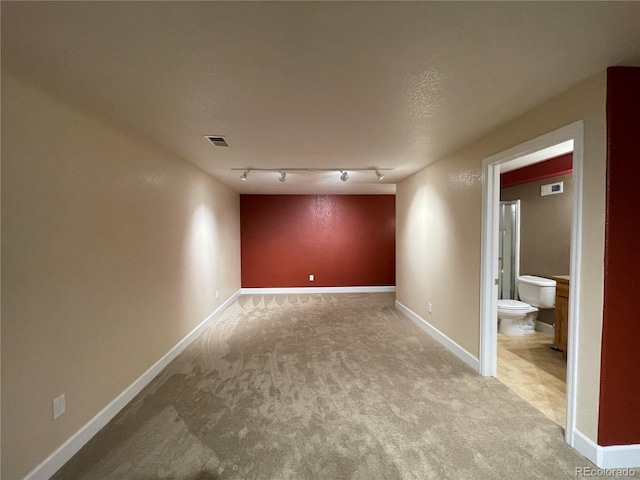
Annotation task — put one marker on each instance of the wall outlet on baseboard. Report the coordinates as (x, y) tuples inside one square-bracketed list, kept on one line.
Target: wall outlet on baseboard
[(312, 278), (217, 294), (58, 406), (430, 307)]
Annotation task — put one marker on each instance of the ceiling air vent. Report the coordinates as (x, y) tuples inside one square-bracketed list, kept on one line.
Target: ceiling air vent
[(217, 140)]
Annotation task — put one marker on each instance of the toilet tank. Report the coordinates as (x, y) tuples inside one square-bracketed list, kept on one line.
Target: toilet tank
[(537, 291)]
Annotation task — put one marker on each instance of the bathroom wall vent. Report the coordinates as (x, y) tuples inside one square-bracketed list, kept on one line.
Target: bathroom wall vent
[(217, 140), (551, 189)]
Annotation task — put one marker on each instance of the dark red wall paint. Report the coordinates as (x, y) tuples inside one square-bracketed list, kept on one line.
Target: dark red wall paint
[(619, 421), (562, 165), (344, 240)]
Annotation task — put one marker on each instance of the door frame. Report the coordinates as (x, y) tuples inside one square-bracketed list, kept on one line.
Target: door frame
[(489, 261)]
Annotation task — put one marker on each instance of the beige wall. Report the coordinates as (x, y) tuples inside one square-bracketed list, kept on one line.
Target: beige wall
[(545, 226), (439, 232), (112, 250)]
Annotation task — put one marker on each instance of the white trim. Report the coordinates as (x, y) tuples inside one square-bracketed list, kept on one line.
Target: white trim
[(619, 456), (69, 448), (489, 267), (614, 456), (452, 346), (544, 328), (293, 290), (585, 447), (574, 292), (489, 270)]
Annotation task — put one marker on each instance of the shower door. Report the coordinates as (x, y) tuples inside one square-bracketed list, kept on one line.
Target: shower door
[(509, 248)]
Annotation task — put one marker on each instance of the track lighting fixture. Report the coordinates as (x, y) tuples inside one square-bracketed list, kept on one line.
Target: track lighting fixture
[(344, 173)]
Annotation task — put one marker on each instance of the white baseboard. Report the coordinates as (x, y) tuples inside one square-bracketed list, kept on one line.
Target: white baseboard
[(613, 456), (544, 328), (456, 349), (69, 448), (293, 290)]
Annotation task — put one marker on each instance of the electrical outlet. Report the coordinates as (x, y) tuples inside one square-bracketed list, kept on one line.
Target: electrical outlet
[(312, 278), (430, 307), (217, 294), (58, 406)]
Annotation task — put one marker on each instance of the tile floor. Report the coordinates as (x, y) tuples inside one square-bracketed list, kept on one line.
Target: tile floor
[(531, 368)]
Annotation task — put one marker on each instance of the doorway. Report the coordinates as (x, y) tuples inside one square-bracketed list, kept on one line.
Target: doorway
[(563, 140)]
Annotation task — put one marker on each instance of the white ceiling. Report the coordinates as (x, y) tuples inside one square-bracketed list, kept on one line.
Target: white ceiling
[(308, 84)]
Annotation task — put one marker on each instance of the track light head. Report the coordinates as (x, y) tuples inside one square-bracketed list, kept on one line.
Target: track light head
[(379, 175), (344, 175), (243, 177), (283, 177)]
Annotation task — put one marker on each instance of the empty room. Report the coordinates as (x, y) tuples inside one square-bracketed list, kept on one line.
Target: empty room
[(265, 240)]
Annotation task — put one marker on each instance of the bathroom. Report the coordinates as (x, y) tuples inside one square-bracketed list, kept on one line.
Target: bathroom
[(535, 237)]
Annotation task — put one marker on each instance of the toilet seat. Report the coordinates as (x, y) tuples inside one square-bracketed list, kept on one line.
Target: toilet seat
[(513, 305)]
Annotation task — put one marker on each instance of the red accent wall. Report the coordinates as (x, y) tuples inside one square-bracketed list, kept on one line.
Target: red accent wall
[(344, 240), (554, 167), (619, 420)]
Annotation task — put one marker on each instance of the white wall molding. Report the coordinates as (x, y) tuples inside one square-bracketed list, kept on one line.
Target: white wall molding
[(585, 447), (614, 456), (456, 349), (544, 328), (293, 290), (69, 448)]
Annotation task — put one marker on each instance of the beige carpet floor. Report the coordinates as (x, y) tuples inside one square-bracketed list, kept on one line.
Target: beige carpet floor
[(323, 387)]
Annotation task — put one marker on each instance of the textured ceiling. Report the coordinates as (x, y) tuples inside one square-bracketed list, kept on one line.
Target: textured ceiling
[(309, 84)]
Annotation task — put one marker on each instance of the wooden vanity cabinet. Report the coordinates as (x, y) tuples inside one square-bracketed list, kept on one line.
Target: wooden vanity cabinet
[(562, 313)]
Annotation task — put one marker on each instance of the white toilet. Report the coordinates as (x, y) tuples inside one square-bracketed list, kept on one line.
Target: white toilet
[(518, 317)]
